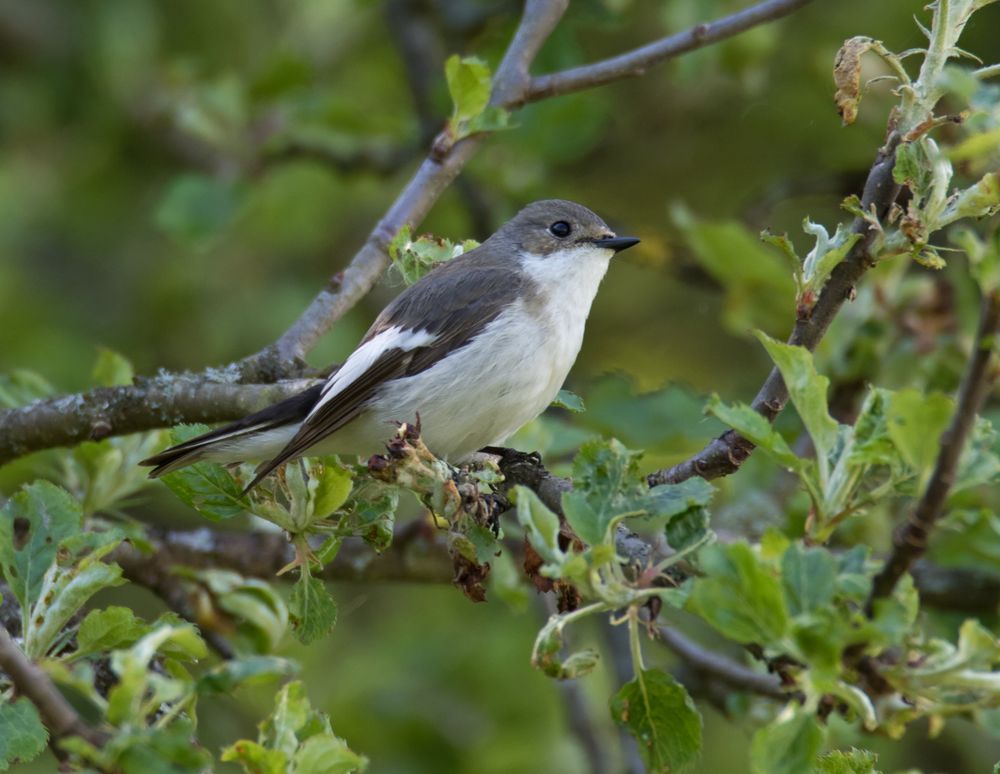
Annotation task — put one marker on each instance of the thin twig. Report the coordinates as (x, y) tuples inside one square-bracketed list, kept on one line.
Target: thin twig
[(910, 540), (724, 669), (33, 683), (430, 180), (637, 62), (724, 455)]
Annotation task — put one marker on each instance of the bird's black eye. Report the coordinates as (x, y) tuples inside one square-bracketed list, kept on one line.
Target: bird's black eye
[(560, 229)]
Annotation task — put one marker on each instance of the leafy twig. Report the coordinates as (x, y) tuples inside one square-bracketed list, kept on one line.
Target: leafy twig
[(724, 455), (59, 717), (910, 540)]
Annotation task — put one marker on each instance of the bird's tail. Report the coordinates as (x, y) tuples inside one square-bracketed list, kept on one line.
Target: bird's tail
[(235, 442)]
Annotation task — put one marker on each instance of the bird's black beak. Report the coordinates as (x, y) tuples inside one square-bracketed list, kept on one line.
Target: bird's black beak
[(616, 243)]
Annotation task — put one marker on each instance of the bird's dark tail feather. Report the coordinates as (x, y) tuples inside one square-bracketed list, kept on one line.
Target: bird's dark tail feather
[(289, 411)]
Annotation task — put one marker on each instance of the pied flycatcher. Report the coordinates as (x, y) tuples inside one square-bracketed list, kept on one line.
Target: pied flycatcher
[(478, 347)]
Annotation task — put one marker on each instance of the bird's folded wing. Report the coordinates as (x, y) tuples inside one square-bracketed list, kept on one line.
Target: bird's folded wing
[(431, 319)]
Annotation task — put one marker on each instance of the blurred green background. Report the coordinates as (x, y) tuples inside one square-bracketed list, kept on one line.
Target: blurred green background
[(178, 179)]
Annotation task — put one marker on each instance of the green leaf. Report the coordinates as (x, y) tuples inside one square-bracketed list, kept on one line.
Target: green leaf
[(295, 739), (659, 713), (807, 390), (229, 675), (205, 486), (327, 754), (108, 629), (112, 369), (469, 85), (333, 485), (605, 476), (22, 735), (540, 524), (788, 746), (808, 576), (51, 516), (259, 612), (312, 609), (139, 691), (740, 596), (569, 400), (255, 758), (755, 428), (915, 424), (68, 584)]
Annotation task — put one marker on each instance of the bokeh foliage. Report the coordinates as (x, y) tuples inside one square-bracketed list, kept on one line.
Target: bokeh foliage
[(166, 168)]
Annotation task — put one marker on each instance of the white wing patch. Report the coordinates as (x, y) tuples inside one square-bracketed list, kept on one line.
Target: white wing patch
[(365, 356)]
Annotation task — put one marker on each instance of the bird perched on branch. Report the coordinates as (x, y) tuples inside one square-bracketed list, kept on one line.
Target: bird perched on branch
[(478, 347)]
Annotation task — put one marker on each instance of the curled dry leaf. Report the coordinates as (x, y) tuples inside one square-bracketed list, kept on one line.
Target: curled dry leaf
[(847, 76)]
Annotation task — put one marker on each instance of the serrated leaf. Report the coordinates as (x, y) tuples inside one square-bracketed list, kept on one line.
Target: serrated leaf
[(606, 488), (566, 399), (112, 369), (51, 515), (787, 746), (740, 597), (853, 761), (807, 575), (659, 713), (22, 734), (109, 629), (312, 609), (807, 390)]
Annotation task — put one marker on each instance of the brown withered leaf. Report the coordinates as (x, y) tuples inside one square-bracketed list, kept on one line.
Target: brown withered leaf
[(847, 76), (469, 577)]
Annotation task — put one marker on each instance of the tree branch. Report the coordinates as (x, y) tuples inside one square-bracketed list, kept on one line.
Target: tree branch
[(430, 180), (172, 399), (724, 669), (151, 403), (724, 455), (910, 540), (34, 684), (635, 63)]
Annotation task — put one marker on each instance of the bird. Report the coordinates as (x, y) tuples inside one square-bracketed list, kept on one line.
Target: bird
[(478, 347)]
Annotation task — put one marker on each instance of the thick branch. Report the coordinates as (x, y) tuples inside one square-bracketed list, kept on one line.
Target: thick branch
[(637, 62), (31, 682), (152, 403), (725, 454), (910, 540)]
